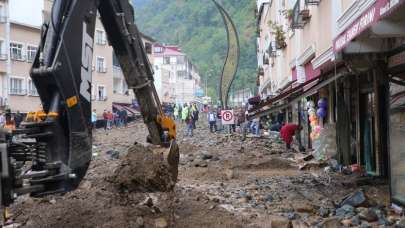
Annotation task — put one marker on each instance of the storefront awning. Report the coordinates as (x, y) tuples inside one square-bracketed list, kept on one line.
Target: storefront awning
[(377, 11), (126, 107), (308, 92), (280, 97)]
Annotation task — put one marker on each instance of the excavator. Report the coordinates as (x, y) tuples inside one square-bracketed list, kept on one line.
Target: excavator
[(51, 153)]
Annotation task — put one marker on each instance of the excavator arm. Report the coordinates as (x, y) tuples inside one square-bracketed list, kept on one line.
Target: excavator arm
[(51, 154)]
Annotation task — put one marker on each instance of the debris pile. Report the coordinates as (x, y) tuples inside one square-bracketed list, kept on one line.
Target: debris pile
[(143, 170)]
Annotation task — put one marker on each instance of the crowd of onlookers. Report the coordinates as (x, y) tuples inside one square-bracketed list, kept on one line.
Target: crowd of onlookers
[(110, 119), (10, 120)]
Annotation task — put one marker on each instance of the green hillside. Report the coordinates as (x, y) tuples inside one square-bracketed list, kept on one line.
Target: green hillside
[(197, 27)]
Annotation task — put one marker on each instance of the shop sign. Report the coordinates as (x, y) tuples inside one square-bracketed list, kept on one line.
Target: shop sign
[(377, 11), (396, 60)]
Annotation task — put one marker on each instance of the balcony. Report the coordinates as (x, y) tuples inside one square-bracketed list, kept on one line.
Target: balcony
[(16, 91), (312, 2), (117, 73), (102, 98), (33, 93), (3, 57), (3, 19), (101, 69), (299, 16), (101, 42), (17, 57)]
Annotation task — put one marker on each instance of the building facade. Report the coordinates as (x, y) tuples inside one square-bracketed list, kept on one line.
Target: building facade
[(20, 23), (337, 68), (176, 78)]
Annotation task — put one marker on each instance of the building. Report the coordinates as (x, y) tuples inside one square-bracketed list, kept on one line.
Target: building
[(20, 23), (337, 68), (19, 38), (176, 79), (240, 97)]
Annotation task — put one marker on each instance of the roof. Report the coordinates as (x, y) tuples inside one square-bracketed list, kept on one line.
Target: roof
[(169, 50)]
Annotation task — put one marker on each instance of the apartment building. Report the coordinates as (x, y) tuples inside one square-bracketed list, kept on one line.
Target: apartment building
[(176, 79), (337, 68), (20, 23)]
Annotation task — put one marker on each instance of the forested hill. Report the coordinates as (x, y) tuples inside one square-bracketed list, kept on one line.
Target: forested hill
[(197, 27)]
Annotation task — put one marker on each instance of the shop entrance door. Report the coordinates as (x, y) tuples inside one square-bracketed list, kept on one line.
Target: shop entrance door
[(367, 132), (397, 142)]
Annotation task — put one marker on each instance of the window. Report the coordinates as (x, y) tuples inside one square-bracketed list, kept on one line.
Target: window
[(31, 52), (17, 86), (181, 74), (102, 93), (166, 60), (2, 14), (16, 50), (180, 60), (3, 54), (32, 90), (148, 48), (158, 50), (100, 37), (100, 65)]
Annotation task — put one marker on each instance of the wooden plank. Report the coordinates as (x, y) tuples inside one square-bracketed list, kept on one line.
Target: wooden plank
[(358, 132), (377, 122)]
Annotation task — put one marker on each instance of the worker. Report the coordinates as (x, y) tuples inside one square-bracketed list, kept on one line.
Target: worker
[(18, 118), (94, 118), (195, 115), (185, 113), (212, 120), (176, 112), (288, 131), (10, 123)]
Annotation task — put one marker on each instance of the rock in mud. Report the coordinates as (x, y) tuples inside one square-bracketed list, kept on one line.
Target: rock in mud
[(144, 170)]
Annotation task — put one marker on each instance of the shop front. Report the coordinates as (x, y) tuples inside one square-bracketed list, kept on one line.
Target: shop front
[(396, 69)]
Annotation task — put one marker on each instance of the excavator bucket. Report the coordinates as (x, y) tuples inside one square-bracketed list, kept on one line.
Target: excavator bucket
[(173, 158)]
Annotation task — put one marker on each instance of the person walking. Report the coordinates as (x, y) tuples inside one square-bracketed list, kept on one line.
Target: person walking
[(189, 123), (219, 119), (2, 119), (288, 131), (18, 118), (124, 117), (93, 119), (185, 113), (195, 114), (255, 128), (176, 112), (110, 119), (105, 119), (212, 121), (10, 123)]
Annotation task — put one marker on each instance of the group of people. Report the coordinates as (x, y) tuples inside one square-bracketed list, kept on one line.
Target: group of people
[(117, 118), (187, 114), (11, 120)]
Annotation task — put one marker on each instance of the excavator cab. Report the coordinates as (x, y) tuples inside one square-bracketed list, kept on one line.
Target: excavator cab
[(51, 151)]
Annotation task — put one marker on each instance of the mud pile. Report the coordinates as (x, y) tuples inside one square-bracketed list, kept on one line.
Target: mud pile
[(144, 170)]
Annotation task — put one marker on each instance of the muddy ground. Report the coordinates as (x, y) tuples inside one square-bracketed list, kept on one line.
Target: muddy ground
[(223, 182)]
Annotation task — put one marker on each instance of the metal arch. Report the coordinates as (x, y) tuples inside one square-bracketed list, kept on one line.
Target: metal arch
[(232, 58)]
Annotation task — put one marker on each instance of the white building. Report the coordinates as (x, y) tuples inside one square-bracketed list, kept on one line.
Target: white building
[(176, 78)]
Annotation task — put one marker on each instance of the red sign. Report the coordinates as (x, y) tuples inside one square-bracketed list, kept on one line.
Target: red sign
[(377, 11), (227, 117), (396, 60)]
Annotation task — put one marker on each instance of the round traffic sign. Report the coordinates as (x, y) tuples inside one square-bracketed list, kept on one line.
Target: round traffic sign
[(227, 115)]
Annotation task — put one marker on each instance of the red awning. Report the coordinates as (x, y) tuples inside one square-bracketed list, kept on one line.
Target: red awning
[(377, 11)]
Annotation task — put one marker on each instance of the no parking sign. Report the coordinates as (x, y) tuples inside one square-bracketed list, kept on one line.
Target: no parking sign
[(227, 117)]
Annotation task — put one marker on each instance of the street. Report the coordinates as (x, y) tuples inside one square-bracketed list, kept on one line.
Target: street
[(223, 182)]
